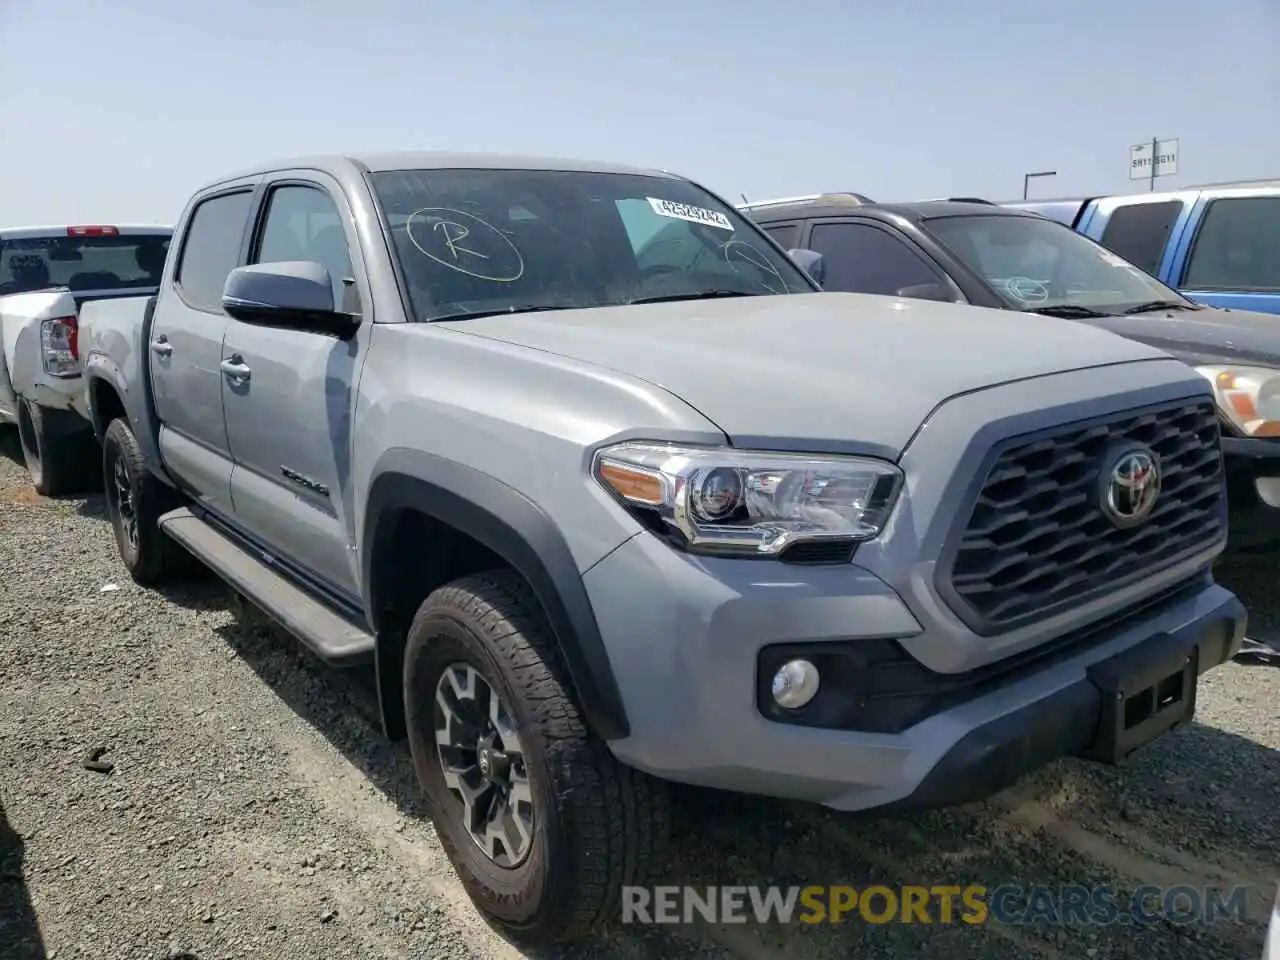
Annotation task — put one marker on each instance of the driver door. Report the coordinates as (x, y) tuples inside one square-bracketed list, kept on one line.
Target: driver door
[(289, 395)]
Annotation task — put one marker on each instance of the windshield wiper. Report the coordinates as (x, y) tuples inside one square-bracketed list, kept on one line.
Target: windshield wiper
[(519, 308), (1067, 311), (1155, 306), (710, 294)]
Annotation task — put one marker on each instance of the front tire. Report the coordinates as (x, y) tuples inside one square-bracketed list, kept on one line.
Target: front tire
[(136, 500), (580, 825)]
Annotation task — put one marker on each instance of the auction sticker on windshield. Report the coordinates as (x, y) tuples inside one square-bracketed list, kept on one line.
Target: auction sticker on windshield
[(683, 211)]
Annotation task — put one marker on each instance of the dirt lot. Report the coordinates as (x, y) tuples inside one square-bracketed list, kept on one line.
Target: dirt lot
[(252, 810)]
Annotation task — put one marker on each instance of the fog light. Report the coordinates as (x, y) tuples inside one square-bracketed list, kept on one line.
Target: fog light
[(795, 684)]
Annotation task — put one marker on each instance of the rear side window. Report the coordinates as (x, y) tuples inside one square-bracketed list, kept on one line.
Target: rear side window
[(211, 249), (1237, 247), (1139, 232)]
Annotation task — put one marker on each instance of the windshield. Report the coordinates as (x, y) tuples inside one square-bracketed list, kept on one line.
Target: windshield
[(1037, 264), (91, 263), (478, 241)]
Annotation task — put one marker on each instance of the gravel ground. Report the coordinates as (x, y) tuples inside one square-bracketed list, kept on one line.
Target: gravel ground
[(253, 811)]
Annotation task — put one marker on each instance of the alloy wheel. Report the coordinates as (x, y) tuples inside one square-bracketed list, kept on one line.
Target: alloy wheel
[(122, 494), (484, 765)]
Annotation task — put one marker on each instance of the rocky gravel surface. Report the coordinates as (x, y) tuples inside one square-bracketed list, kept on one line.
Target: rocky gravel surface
[(178, 781)]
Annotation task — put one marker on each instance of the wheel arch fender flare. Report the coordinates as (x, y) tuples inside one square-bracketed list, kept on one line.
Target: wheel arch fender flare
[(101, 373), (516, 529)]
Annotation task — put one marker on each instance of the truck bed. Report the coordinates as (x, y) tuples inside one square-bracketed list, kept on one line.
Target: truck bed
[(111, 337)]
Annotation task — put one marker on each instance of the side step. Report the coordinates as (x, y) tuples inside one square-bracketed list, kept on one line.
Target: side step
[(332, 637)]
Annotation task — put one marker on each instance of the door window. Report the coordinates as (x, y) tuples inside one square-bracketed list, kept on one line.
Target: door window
[(303, 223), (784, 234), (1238, 246), (1139, 232), (211, 249), (860, 258)]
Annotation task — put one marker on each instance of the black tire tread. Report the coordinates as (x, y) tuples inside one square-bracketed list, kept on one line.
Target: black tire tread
[(622, 815), (160, 557), (65, 463)]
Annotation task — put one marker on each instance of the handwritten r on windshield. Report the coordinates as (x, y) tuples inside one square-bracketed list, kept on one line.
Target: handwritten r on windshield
[(454, 233)]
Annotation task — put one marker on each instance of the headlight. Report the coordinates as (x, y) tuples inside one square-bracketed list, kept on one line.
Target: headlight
[(1247, 396), (742, 503)]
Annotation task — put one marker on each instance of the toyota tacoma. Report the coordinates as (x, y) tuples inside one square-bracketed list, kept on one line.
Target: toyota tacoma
[(610, 504)]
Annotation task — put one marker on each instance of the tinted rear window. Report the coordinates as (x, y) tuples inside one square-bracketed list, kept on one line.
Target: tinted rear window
[(82, 263)]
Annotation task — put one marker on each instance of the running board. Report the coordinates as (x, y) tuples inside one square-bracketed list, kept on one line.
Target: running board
[(332, 637)]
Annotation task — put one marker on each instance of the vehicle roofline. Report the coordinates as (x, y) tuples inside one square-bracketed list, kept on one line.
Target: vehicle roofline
[(344, 164)]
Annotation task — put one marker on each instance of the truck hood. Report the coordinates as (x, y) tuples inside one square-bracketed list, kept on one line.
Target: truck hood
[(1212, 335), (821, 369)]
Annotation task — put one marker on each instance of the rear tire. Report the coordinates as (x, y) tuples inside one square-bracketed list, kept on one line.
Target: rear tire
[(136, 500), (594, 825), (58, 464)]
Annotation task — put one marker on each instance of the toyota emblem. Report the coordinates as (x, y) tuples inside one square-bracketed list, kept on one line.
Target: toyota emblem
[(1131, 486)]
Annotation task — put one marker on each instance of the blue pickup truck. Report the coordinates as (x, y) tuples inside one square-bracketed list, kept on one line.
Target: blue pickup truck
[(1217, 244)]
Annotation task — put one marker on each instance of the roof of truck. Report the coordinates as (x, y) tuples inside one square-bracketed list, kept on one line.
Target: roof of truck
[(437, 160), (913, 210), (1227, 184)]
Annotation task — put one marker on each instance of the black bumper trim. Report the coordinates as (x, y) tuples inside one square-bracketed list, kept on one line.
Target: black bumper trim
[(996, 755), (875, 686)]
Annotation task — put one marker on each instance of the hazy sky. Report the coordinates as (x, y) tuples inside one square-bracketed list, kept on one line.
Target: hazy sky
[(115, 110)]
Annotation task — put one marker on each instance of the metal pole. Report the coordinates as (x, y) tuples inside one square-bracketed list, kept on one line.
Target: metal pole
[(1028, 177), (1155, 143)]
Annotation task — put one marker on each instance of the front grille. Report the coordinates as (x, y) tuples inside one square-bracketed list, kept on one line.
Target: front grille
[(1037, 540)]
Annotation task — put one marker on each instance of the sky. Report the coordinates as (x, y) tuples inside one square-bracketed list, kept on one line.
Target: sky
[(115, 111)]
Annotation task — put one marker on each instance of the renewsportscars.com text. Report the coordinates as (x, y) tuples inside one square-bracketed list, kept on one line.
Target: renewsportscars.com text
[(937, 904)]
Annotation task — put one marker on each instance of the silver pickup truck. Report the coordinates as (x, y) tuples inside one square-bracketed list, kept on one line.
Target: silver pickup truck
[(612, 497)]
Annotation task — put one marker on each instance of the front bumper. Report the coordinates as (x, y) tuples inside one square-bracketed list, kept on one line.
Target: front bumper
[(1080, 720), (1253, 494), (689, 671)]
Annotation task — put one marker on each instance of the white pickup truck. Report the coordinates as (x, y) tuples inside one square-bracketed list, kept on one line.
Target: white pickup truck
[(46, 274)]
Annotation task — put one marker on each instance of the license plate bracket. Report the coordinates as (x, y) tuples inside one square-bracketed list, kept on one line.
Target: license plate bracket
[(1146, 692)]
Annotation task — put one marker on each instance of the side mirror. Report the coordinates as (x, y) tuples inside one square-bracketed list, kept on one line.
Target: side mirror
[(928, 291), (810, 261), (294, 295)]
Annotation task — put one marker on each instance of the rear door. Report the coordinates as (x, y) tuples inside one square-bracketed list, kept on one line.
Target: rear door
[(186, 344), (288, 413), (1231, 254)]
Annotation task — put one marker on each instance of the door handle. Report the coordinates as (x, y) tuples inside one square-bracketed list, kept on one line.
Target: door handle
[(234, 367), (161, 346)]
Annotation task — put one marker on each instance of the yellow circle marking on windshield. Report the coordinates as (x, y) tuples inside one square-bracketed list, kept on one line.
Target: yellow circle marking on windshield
[(465, 243), (756, 259)]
